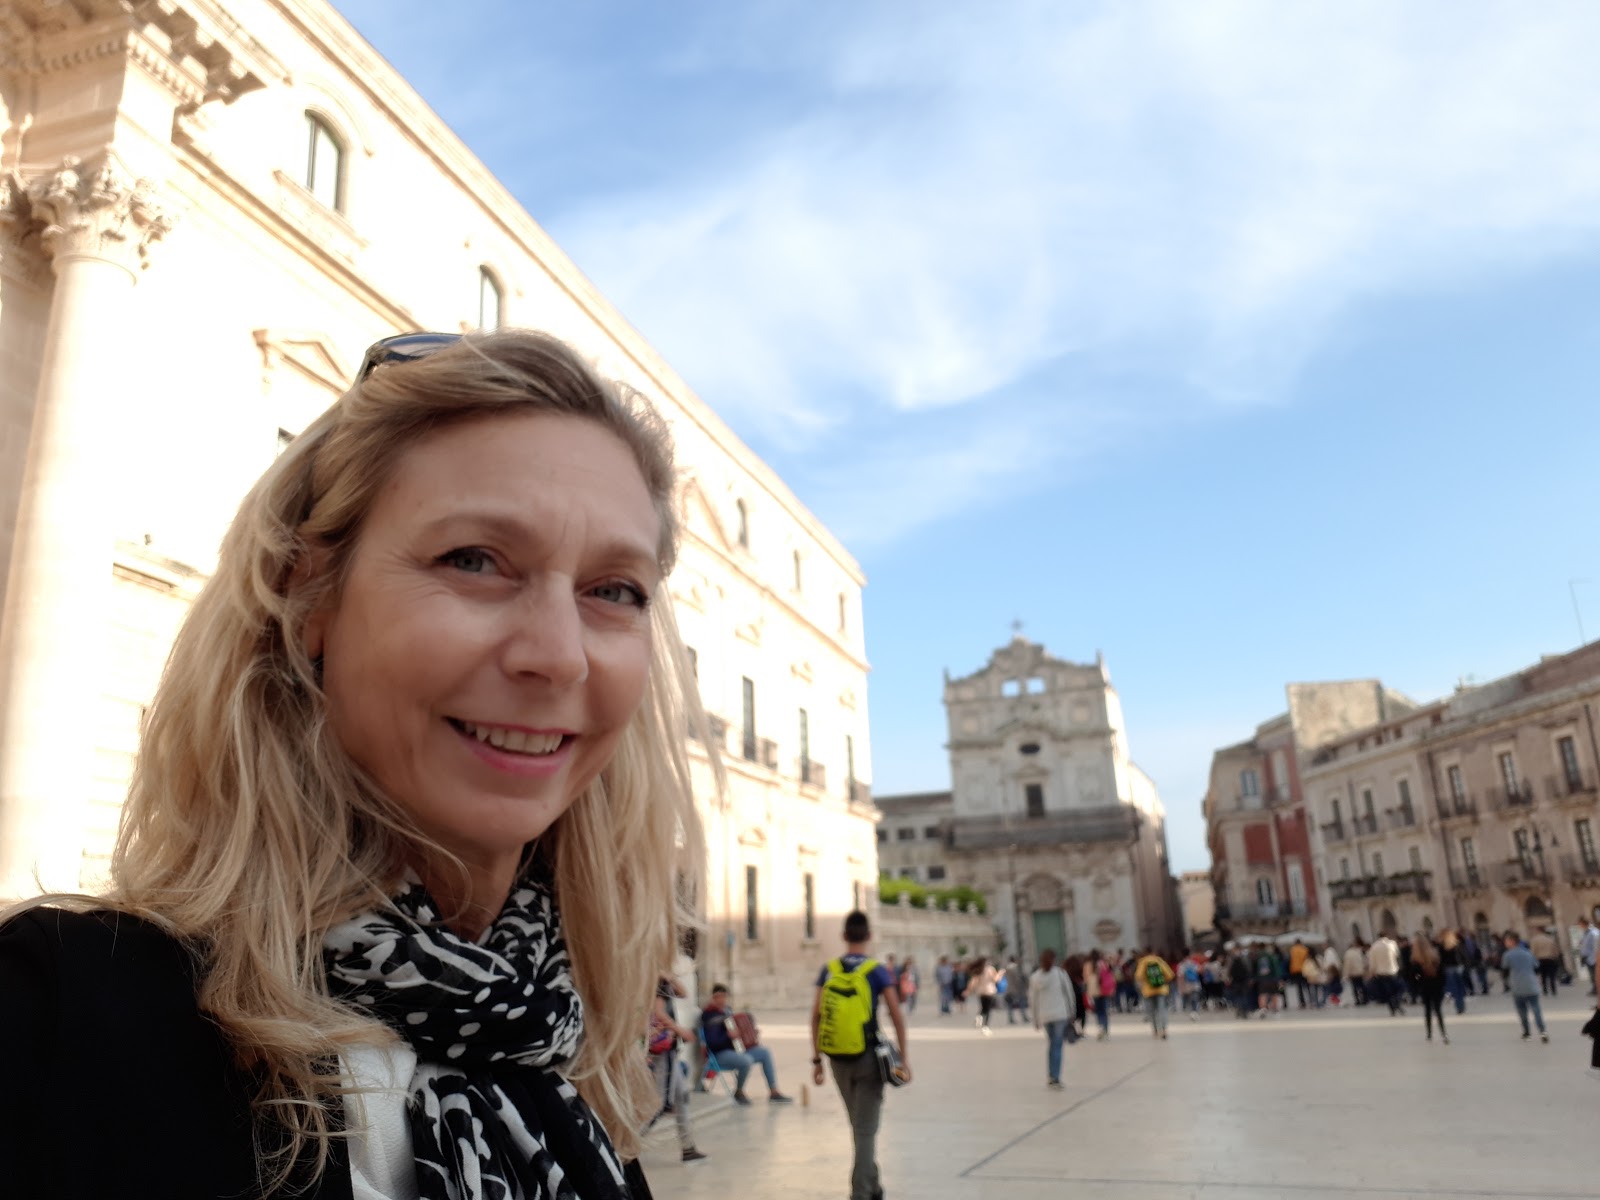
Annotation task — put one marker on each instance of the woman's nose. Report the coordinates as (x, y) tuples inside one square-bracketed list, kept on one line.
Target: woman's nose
[(546, 635)]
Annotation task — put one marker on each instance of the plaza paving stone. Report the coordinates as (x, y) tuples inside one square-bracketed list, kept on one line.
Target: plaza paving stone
[(1333, 1105)]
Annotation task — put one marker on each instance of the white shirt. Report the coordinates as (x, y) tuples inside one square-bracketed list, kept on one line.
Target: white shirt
[(382, 1165), (1051, 993), (1384, 957)]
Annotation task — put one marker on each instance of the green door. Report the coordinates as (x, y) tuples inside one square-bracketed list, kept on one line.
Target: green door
[(1049, 933)]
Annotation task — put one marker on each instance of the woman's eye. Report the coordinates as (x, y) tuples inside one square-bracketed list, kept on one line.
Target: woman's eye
[(618, 592), (469, 559)]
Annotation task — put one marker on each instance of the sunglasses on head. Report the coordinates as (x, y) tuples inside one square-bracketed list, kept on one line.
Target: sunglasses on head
[(403, 348)]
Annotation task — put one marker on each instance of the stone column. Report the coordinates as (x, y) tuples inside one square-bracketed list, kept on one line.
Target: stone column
[(97, 224)]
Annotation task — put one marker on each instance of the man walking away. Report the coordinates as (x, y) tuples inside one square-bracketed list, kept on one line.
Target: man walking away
[(1155, 982), (1054, 1007), (1588, 950), (1549, 955), (844, 1026), (1522, 971), (1241, 983), (1016, 992), (945, 974)]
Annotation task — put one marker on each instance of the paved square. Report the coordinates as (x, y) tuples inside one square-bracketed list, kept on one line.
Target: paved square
[(1325, 1105)]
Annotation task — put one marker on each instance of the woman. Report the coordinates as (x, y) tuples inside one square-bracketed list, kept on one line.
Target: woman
[(1100, 985), (1454, 961), (1053, 1010), (985, 981), (402, 823), (1425, 973), (1316, 981), (910, 979)]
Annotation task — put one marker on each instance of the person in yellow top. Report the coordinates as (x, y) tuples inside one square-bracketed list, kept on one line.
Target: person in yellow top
[(1154, 978), (1297, 971)]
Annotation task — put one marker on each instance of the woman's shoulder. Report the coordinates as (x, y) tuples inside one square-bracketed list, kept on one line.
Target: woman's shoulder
[(98, 956)]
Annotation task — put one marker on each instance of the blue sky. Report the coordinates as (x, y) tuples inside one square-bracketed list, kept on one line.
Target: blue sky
[(1243, 342)]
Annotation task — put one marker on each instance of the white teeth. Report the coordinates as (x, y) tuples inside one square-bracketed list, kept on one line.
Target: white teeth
[(514, 741)]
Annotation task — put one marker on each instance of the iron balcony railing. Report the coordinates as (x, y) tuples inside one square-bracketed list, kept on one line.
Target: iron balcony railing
[(1457, 808), (1334, 832), (1404, 817), (1344, 891), (1365, 825), (1106, 823), (1509, 797), (1580, 868), (1519, 874), (1571, 787), (1467, 879)]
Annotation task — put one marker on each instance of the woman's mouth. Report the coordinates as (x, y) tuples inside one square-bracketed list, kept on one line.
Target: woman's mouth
[(534, 744)]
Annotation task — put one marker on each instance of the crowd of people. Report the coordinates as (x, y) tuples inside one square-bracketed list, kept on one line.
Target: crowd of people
[(1259, 979)]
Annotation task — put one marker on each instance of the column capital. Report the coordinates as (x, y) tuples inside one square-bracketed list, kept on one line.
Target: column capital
[(20, 257), (99, 212)]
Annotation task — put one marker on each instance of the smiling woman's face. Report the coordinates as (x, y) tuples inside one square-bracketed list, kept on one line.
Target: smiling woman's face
[(492, 638)]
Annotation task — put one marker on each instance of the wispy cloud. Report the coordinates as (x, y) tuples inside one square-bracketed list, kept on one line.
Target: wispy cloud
[(946, 206)]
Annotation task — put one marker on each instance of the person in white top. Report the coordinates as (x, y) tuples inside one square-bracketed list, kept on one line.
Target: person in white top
[(1355, 971), (1053, 1009), (1384, 959)]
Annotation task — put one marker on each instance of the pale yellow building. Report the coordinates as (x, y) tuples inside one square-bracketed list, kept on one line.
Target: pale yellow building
[(207, 211), (1480, 811)]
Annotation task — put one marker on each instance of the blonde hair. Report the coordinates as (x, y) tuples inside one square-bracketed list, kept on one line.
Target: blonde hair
[(248, 832)]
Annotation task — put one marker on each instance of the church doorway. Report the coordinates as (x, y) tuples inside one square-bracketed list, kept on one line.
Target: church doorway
[(1049, 932)]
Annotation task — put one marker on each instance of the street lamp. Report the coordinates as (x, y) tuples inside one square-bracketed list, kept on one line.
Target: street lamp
[(1549, 883)]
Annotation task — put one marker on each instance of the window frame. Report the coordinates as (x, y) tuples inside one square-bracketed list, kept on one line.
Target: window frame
[(319, 123), (488, 279), (752, 903)]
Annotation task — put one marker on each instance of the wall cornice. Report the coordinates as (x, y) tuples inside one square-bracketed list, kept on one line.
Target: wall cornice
[(194, 48)]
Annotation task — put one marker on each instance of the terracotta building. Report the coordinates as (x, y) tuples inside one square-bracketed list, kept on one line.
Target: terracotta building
[(1257, 828)]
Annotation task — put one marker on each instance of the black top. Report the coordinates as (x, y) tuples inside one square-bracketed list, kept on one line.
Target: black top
[(113, 1083)]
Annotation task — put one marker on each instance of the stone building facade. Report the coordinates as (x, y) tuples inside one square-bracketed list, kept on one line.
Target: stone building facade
[(1480, 811), (208, 208), (1199, 905), (1257, 828), (1047, 815)]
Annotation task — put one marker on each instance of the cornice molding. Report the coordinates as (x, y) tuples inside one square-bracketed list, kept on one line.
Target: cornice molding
[(194, 48)]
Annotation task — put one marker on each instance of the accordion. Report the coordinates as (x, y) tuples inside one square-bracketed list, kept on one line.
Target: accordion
[(742, 1031)]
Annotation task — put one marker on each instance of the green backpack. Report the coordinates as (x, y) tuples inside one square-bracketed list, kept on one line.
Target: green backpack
[(846, 1009)]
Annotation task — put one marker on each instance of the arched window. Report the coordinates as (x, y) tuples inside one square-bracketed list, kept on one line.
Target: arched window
[(324, 162), (491, 300), (744, 525)]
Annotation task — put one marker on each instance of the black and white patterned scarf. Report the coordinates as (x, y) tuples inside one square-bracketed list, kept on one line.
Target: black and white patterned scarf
[(492, 1022)]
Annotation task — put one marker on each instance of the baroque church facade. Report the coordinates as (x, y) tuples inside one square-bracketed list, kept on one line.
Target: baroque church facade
[(208, 209), (1047, 814)]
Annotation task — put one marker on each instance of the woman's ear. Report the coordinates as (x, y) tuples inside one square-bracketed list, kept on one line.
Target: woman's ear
[(310, 565)]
